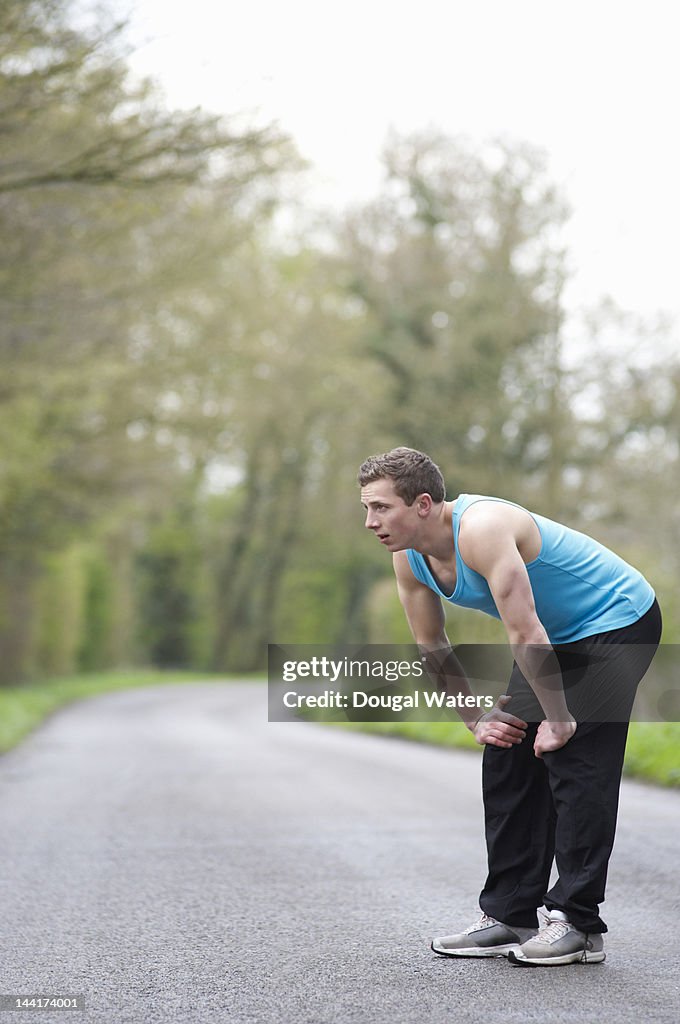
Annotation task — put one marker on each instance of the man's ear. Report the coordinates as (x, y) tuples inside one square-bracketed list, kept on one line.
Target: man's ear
[(424, 504)]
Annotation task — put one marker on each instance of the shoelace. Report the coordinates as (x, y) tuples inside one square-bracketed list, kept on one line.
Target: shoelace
[(484, 922), (553, 930)]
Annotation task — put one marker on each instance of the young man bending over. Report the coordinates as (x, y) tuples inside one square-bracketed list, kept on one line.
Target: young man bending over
[(573, 610)]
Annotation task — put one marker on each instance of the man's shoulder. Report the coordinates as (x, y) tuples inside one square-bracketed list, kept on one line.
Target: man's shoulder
[(495, 529), (402, 562), (486, 510)]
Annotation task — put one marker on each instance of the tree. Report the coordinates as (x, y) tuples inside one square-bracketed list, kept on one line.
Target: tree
[(104, 196), (460, 269)]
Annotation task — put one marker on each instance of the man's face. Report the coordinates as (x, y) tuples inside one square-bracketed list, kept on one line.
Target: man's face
[(391, 519)]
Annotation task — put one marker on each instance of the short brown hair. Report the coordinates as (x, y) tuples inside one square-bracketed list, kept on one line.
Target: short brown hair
[(412, 471)]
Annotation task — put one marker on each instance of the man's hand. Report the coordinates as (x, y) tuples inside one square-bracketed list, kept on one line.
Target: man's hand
[(553, 735), (497, 727)]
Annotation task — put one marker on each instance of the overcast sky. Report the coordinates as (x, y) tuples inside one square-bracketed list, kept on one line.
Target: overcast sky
[(595, 83)]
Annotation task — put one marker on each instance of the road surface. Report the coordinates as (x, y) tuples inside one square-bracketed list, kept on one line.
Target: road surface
[(171, 856)]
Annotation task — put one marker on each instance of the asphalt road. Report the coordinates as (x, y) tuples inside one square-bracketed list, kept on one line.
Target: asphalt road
[(171, 856)]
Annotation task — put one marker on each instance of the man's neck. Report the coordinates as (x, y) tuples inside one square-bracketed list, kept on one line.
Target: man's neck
[(436, 539)]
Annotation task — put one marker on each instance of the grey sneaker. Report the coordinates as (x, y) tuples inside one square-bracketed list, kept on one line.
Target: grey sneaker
[(487, 937), (559, 943)]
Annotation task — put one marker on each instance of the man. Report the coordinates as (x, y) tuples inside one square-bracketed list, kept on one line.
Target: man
[(579, 619)]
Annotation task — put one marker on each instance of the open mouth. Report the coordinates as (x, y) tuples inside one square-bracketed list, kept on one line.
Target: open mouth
[(383, 537)]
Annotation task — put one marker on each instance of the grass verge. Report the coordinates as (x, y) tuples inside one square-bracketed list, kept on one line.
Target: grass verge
[(22, 708), (652, 752)]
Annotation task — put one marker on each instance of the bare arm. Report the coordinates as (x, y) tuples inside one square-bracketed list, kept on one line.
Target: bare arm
[(489, 546), (425, 616)]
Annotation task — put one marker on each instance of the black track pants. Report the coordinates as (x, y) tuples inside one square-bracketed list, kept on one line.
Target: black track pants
[(564, 805)]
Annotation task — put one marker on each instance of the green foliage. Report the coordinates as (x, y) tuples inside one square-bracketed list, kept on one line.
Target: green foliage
[(111, 208), (167, 579), (460, 272), (188, 388), (665, 581), (61, 612), (94, 651), (316, 598), (652, 751), (385, 616)]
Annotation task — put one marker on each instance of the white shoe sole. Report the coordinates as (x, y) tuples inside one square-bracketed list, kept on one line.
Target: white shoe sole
[(579, 957), (476, 951)]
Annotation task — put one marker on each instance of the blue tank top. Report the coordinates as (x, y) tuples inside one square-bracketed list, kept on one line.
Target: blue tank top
[(580, 587)]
